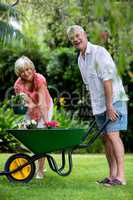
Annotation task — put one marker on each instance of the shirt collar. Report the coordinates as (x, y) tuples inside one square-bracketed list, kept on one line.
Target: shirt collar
[(88, 49)]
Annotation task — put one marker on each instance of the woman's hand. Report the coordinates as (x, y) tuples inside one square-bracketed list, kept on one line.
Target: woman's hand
[(112, 113), (31, 105), (25, 96), (28, 102)]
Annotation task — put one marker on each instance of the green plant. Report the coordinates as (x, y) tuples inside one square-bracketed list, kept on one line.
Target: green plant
[(7, 30), (18, 99), (66, 120), (7, 120), (62, 68)]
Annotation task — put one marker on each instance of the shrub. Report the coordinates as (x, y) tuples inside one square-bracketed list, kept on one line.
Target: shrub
[(7, 120)]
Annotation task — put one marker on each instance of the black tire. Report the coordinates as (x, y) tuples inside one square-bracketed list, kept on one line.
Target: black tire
[(25, 174)]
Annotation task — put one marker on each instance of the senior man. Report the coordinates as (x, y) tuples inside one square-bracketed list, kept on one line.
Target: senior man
[(108, 98)]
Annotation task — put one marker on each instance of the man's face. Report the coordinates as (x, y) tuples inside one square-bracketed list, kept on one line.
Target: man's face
[(79, 40)]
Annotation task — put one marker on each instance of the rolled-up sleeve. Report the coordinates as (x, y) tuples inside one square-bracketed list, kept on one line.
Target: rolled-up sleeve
[(105, 64), (18, 88), (39, 80)]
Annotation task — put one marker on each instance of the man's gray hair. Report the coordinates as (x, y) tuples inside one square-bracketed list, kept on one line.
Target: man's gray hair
[(73, 28), (21, 63)]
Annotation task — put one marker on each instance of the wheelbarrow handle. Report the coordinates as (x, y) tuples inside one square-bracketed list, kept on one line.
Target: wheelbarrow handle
[(92, 140)]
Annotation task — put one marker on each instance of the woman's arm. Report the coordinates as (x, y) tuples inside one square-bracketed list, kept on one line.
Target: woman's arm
[(111, 112), (29, 102), (42, 102), (18, 87)]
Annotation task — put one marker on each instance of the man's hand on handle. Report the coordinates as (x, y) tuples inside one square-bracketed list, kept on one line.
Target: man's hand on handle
[(112, 113)]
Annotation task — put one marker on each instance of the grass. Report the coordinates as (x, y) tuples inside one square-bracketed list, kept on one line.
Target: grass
[(79, 185)]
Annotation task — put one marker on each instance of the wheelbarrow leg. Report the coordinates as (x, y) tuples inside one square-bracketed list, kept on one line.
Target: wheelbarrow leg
[(63, 161), (53, 165)]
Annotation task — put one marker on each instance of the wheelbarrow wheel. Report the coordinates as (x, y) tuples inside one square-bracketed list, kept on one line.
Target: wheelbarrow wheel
[(25, 174)]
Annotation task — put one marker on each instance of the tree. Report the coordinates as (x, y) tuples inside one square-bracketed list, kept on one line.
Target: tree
[(7, 30)]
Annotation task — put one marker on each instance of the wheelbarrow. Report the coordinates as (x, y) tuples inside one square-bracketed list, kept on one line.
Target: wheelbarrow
[(21, 167)]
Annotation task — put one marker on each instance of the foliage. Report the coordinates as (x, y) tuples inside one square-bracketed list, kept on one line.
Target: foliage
[(7, 30), (62, 69), (66, 120), (7, 120), (49, 19)]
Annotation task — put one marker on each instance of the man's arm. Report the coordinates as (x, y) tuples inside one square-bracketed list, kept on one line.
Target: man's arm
[(111, 112)]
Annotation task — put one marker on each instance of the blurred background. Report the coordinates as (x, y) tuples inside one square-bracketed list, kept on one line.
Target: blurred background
[(37, 29)]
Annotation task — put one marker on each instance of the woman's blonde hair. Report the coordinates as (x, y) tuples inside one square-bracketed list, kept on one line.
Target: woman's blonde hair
[(21, 63)]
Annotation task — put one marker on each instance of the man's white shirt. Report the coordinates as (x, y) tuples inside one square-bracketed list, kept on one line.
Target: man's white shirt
[(97, 66)]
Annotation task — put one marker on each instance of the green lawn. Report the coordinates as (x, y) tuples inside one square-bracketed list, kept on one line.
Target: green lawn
[(79, 185)]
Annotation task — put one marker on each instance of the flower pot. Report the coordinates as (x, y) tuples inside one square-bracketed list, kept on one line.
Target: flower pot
[(20, 109)]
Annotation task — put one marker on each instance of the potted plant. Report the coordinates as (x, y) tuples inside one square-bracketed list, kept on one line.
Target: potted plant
[(18, 103)]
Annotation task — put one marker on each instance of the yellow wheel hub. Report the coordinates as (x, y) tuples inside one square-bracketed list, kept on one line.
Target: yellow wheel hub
[(24, 172)]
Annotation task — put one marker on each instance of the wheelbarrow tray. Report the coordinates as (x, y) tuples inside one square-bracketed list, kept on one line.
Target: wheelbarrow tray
[(48, 140)]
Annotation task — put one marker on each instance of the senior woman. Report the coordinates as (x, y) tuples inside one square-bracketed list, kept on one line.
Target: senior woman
[(37, 97)]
